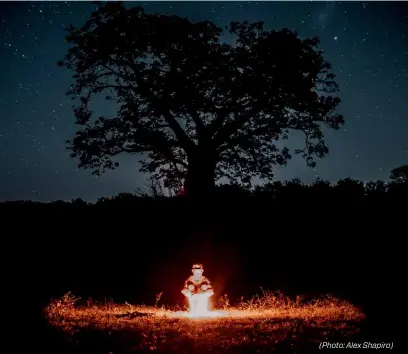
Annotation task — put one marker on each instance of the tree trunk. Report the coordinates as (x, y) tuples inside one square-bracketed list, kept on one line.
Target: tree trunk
[(200, 181)]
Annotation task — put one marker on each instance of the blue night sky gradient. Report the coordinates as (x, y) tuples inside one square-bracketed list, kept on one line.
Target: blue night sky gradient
[(367, 44)]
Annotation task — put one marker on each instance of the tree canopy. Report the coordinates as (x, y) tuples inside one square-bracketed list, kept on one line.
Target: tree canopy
[(192, 106), (400, 174)]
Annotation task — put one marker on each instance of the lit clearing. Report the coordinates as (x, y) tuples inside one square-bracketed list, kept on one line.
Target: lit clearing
[(269, 321)]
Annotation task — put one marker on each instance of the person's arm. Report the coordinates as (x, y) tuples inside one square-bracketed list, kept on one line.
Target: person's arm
[(186, 290), (207, 287)]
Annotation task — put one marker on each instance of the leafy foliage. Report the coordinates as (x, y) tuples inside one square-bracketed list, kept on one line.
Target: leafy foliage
[(400, 174), (191, 105)]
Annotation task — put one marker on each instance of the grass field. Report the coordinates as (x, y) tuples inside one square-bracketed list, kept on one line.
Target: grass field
[(267, 323)]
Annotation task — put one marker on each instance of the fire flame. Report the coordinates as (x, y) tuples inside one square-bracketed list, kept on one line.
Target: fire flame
[(199, 306)]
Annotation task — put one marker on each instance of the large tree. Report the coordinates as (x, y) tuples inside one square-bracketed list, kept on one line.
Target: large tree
[(191, 105)]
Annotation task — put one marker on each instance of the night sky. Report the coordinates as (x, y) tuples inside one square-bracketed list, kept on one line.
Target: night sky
[(366, 43)]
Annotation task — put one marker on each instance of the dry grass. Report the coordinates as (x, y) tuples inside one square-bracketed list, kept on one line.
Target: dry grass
[(266, 323)]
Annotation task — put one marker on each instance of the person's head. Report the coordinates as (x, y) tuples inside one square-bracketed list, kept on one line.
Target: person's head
[(197, 270)]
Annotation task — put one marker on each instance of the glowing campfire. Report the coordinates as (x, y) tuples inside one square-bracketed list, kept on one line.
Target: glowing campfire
[(199, 306)]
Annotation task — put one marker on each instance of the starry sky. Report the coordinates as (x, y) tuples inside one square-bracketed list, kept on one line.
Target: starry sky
[(366, 43)]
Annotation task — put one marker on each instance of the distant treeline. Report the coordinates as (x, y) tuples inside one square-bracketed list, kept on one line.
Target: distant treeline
[(272, 193), (232, 207)]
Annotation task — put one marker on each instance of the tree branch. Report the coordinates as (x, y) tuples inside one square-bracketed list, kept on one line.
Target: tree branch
[(200, 126), (229, 128), (185, 142)]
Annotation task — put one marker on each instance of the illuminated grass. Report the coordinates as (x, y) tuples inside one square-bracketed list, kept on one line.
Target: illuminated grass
[(270, 321)]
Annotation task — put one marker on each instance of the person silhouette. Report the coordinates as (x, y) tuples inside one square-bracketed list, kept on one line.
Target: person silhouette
[(197, 284)]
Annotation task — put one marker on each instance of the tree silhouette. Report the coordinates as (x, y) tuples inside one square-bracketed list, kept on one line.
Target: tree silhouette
[(376, 189), (399, 174), (192, 106), (398, 188), (350, 186)]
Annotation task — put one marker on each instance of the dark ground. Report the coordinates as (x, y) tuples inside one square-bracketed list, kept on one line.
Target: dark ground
[(131, 252)]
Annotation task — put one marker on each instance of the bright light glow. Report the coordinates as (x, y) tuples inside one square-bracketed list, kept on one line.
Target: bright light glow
[(199, 306)]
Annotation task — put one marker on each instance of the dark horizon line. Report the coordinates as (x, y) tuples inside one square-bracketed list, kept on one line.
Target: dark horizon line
[(135, 192)]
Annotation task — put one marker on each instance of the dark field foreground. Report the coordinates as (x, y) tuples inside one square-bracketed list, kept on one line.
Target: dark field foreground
[(265, 324)]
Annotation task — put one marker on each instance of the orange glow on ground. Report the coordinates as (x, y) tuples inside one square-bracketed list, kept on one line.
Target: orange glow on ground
[(275, 318)]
